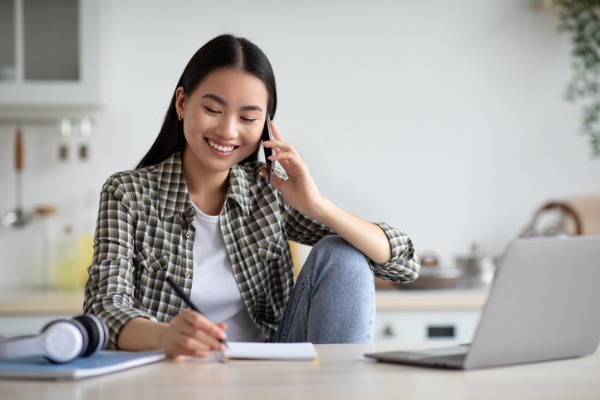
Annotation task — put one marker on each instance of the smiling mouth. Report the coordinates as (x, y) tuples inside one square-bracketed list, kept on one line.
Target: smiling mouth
[(218, 147)]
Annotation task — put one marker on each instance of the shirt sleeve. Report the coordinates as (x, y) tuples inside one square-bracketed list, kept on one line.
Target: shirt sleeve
[(403, 266), (304, 230), (109, 291)]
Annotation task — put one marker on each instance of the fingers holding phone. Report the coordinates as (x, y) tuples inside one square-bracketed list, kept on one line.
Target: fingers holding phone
[(298, 189), (284, 153), (267, 135)]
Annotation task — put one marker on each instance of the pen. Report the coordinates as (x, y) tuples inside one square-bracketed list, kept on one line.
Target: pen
[(187, 301)]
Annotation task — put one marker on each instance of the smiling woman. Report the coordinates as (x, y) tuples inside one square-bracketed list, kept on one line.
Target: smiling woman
[(223, 119), (222, 52), (199, 208)]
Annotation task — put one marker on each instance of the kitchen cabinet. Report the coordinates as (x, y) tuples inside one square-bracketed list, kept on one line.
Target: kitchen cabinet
[(49, 57), (415, 316), (425, 326)]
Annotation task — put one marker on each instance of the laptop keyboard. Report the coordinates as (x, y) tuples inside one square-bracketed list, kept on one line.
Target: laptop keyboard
[(455, 360)]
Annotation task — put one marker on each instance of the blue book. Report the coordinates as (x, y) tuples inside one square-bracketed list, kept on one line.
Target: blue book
[(100, 363)]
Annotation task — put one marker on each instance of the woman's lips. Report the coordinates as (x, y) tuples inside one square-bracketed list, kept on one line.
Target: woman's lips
[(220, 148)]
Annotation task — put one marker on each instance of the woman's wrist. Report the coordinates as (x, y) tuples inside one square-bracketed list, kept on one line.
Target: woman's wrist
[(142, 334), (322, 211)]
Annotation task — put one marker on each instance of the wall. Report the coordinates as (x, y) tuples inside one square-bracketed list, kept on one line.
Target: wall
[(445, 119)]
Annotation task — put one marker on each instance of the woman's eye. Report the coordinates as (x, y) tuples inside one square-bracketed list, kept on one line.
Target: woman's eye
[(248, 120), (211, 110)]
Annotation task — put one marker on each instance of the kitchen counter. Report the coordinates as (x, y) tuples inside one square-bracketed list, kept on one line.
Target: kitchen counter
[(27, 302), (402, 315), (26, 312), (427, 300)]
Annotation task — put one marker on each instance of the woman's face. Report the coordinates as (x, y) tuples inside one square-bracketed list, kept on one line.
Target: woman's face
[(223, 119)]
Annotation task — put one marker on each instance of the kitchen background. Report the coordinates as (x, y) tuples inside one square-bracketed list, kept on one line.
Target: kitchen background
[(446, 119)]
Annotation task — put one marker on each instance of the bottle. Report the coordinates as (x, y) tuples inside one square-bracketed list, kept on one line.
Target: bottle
[(86, 235), (43, 275), (86, 253), (68, 271)]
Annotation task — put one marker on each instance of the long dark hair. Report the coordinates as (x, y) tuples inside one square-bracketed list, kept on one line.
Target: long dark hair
[(225, 51)]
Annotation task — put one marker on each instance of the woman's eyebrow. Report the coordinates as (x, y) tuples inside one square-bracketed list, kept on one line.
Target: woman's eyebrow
[(219, 100)]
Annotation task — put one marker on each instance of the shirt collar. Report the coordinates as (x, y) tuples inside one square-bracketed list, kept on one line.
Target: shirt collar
[(239, 188), (172, 189), (173, 192)]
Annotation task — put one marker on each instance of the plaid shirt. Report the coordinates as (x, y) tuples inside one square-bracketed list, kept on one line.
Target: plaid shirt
[(144, 233)]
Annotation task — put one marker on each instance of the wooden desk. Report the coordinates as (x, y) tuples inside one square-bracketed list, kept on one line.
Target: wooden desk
[(341, 373)]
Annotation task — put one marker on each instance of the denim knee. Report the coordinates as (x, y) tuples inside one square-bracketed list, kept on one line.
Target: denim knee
[(338, 252), (343, 293), (333, 299)]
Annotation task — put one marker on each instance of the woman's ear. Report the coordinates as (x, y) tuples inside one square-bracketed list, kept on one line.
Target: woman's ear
[(180, 102)]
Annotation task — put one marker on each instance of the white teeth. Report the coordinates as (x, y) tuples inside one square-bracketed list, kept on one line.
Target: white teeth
[(224, 149)]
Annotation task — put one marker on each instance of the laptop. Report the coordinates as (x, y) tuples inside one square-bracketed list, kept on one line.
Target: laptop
[(543, 305)]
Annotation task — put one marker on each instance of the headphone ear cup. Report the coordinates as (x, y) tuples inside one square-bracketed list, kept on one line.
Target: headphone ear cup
[(63, 341), (60, 341), (96, 332)]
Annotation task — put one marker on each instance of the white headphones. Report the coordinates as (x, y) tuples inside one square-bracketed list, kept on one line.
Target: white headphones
[(60, 341)]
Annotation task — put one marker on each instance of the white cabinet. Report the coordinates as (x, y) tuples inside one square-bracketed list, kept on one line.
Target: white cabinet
[(418, 316), (49, 56), (424, 326)]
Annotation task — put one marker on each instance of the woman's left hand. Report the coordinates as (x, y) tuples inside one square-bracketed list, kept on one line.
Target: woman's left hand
[(299, 190)]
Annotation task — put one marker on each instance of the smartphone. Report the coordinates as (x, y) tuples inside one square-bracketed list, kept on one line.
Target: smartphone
[(268, 135)]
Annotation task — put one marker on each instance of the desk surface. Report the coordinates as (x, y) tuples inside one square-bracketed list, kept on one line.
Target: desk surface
[(341, 373)]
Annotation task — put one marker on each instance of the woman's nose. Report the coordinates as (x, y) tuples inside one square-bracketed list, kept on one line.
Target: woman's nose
[(226, 128)]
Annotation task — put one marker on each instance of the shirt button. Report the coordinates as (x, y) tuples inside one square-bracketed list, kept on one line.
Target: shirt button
[(187, 274), (189, 234)]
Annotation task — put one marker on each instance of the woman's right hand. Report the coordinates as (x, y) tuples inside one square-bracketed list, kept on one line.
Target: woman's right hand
[(192, 334)]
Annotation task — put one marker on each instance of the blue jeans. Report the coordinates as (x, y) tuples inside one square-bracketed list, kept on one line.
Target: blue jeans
[(333, 300)]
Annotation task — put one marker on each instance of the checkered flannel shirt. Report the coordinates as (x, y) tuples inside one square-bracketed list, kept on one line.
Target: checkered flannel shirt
[(144, 233)]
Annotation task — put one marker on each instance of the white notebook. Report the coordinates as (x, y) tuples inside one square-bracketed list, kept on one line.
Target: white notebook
[(270, 351)]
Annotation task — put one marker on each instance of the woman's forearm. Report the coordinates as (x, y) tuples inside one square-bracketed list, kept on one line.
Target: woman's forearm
[(363, 235), (141, 334)]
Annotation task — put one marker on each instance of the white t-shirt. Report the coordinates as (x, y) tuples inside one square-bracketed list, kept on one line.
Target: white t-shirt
[(214, 289)]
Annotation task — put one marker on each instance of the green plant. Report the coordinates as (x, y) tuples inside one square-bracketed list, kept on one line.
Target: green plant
[(581, 19)]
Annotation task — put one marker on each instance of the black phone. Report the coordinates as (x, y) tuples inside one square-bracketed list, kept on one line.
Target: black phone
[(268, 135)]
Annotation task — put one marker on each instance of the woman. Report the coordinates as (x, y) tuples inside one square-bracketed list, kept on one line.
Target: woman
[(199, 208)]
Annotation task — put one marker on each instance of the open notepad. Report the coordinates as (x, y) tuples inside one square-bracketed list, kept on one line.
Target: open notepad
[(270, 351)]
